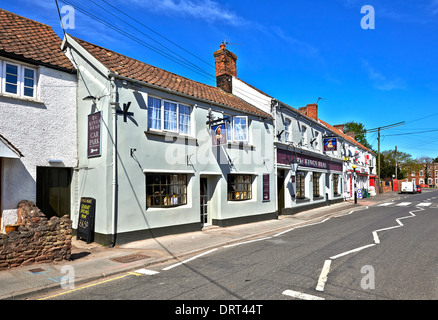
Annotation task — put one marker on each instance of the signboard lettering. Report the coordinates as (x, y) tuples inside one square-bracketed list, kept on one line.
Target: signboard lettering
[(87, 211), (94, 134)]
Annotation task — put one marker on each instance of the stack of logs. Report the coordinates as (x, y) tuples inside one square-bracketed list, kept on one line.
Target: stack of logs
[(37, 239)]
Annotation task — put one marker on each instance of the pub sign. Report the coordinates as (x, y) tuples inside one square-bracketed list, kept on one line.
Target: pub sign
[(330, 144), (94, 134)]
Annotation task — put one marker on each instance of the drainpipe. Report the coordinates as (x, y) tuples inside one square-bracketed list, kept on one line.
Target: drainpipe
[(114, 104), (274, 108)]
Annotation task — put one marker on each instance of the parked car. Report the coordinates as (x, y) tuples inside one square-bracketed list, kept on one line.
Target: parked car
[(418, 189)]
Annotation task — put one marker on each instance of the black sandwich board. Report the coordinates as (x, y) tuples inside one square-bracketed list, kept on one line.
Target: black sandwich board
[(87, 211)]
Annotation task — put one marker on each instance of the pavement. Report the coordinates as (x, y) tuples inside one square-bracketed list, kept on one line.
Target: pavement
[(92, 262)]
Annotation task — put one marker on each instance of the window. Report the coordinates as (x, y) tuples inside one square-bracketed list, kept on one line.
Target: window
[(300, 184), (316, 184), (154, 113), (237, 128), (28, 82), (240, 128), (239, 187), (166, 190), (421, 172), (11, 78), (413, 173), (18, 80), (287, 130), (168, 116), (303, 136), (336, 184)]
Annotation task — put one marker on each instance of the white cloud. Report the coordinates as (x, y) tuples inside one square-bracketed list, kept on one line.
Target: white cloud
[(380, 81), (207, 10)]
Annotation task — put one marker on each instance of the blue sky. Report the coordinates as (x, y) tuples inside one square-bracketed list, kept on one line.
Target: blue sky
[(296, 51)]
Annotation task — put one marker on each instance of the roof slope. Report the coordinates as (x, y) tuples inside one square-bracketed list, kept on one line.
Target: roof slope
[(32, 41), (137, 70)]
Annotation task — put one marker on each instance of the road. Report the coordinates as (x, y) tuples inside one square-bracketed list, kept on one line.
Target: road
[(383, 252)]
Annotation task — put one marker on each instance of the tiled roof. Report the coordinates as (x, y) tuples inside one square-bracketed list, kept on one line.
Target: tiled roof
[(32, 41), (345, 136), (137, 70)]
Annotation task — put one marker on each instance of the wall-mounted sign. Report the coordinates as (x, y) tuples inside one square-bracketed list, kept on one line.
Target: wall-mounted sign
[(330, 144), (219, 134), (266, 187), (285, 157), (94, 135)]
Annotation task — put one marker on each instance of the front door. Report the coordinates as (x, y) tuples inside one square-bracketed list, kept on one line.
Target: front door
[(204, 201), (280, 190)]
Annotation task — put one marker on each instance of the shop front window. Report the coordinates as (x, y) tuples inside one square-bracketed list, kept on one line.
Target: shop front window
[(166, 190), (300, 184), (239, 187), (316, 184)]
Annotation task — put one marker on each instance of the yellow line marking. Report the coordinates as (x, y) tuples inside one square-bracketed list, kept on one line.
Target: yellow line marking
[(87, 286)]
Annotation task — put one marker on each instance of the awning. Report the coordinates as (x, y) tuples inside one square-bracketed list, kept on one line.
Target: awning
[(8, 150)]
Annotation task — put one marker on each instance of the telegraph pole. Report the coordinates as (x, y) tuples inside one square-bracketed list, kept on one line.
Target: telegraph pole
[(395, 157)]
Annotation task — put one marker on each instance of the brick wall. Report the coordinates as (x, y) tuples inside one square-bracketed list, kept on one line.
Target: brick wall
[(37, 239)]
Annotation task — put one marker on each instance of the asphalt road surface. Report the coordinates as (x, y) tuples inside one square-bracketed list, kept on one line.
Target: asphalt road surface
[(380, 252)]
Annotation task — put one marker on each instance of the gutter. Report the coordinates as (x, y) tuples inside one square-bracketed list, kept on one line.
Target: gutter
[(114, 104), (115, 75)]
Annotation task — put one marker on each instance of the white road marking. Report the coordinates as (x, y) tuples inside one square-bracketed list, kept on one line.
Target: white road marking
[(245, 242), (146, 272), (300, 295), (424, 204), (385, 204), (323, 276), (403, 204), (352, 251), (192, 258)]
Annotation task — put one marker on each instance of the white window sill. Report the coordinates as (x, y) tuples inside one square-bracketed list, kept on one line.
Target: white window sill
[(17, 97), (240, 144), (170, 134)]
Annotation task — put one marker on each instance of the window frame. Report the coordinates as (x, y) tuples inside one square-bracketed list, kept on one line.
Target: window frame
[(163, 120), (20, 85), (230, 125), (300, 185), (336, 184), (316, 186), (242, 187), (168, 199)]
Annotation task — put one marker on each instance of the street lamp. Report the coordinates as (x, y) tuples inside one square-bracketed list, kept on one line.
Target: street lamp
[(354, 177)]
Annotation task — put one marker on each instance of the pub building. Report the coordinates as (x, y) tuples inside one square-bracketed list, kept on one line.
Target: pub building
[(162, 154)]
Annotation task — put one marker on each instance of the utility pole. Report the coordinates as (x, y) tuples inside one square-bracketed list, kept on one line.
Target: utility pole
[(378, 139), (395, 157)]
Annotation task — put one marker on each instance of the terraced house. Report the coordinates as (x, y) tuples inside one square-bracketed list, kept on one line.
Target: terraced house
[(37, 119), (162, 154)]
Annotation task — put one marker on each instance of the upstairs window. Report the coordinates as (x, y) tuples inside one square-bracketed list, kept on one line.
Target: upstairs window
[(18, 80), (168, 116), (287, 130), (237, 129)]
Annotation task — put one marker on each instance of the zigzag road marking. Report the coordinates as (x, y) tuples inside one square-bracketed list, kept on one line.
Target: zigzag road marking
[(326, 268)]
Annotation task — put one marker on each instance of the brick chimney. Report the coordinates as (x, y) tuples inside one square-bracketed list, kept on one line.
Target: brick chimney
[(311, 110), (225, 62), (340, 127), (351, 134)]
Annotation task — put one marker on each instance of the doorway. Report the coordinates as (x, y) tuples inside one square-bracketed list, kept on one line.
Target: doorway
[(53, 191), (205, 198), (280, 190)]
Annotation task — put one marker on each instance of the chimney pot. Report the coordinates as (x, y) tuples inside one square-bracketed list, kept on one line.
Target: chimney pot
[(225, 63)]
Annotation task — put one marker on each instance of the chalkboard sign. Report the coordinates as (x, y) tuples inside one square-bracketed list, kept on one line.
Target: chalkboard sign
[(87, 211)]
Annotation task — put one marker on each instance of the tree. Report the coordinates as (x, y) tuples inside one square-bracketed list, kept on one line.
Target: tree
[(359, 135), (405, 164)]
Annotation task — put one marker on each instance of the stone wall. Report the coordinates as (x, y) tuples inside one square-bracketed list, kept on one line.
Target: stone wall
[(37, 239)]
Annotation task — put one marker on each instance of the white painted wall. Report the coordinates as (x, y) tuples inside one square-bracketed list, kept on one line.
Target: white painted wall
[(43, 128)]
